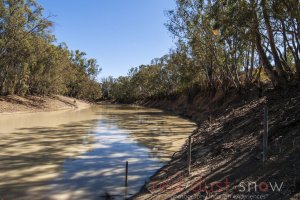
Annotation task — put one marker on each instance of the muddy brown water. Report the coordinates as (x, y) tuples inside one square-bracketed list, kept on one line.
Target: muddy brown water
[(81, 154)]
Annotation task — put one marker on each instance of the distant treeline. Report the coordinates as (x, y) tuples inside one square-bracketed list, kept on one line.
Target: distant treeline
[(221, 45), (31, 63)]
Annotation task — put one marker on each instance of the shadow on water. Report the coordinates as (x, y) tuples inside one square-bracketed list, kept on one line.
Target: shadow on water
[(83, 154)]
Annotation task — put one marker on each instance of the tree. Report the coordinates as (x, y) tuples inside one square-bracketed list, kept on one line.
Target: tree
[(31, 64), (222, 45)]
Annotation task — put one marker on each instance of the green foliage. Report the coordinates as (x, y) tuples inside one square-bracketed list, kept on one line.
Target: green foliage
[(222, 45), (31, 64)]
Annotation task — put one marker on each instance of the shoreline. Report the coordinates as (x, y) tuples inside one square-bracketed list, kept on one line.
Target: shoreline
[(15, 105), (219, 147)]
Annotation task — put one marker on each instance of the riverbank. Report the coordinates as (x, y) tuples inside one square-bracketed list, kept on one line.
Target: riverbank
[(226, 152), (30, 104)]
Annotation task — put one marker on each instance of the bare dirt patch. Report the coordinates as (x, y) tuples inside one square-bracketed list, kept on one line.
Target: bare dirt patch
[(229, 148), (16, 104)]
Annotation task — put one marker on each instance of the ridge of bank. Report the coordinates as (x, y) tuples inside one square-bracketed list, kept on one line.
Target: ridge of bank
[(229, 147), (13, 104)]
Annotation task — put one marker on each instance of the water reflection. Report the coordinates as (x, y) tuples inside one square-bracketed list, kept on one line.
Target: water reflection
[(75, 155)]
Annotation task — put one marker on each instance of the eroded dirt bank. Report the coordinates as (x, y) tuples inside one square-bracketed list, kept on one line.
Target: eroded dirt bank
[(226, 153), (15, 104)]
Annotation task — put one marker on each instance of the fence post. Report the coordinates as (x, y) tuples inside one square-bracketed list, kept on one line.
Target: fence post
[(126, 180), (265, 134), (295, 176), (126, 175), (189, 155)]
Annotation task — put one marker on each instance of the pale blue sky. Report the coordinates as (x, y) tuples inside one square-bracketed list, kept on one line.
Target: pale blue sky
[(120, 34)]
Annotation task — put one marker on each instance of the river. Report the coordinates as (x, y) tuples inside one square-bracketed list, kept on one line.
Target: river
[(81, 154)]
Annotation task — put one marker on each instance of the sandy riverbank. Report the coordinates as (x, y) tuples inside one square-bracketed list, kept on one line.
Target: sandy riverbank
[(15, 104)]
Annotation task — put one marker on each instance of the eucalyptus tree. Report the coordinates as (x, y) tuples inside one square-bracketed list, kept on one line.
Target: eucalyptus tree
[(222, 44), (226, 39), (21, 23), (272, 26), (106, 87), (30, 63)]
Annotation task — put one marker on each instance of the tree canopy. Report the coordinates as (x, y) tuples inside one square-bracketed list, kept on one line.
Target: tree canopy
[(221, 45), (31, 63)]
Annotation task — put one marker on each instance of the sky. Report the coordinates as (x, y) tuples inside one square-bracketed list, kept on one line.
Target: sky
[(120, 34)]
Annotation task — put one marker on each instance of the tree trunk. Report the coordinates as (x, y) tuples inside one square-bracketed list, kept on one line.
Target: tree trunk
[(263, 57), (277, 61), (252, 62), (265, 62)]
